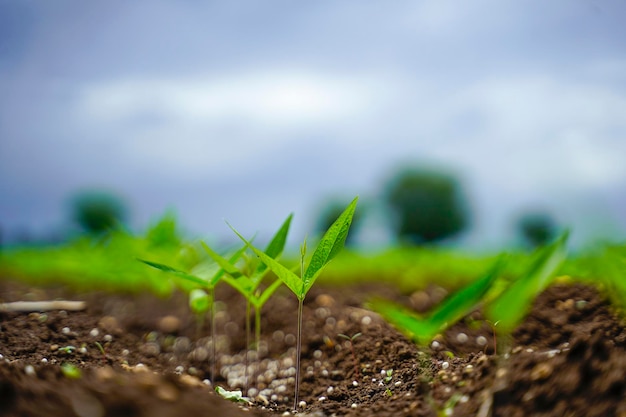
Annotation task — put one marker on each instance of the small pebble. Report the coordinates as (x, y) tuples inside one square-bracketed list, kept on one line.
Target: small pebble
[(435, 345), (330, 390), (481, 340), (43, 360), (353, 405), (66, 330), (169, 324), (541, 371), (355, 384), (461, 338), (302, 404), (29, 370), (322, 398), (108, 338), (445, 365), (94, 333), (325, 300)]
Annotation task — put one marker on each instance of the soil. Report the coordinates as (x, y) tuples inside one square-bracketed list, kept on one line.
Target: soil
[(144, 356)]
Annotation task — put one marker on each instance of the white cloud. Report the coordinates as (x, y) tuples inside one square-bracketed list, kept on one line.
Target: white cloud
[(211, 123), (274, 99)]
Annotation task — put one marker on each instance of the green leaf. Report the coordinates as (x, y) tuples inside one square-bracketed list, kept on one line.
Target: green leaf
[(274, 248), (258, 302), (234, 396), (243, 284), (177, 272), (331, 244), (452, 309), (513, 304), (466, 299), (291, 280), (225, 264)]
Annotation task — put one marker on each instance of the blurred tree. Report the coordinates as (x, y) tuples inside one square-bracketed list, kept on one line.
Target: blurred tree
[(536, 228), (164, 232), (97, 212), (427, 206)]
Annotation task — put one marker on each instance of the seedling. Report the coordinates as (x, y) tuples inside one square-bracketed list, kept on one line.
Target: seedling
[(351, 339), (70, 371), (67, 349), (388, 376), (329, 246), (455, 307), (208, 284), (248, 284), (510, 307), (102, 349), (234, 396)]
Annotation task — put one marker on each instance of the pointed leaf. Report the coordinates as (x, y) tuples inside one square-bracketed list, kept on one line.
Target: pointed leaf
[(463, 301), (259, 301), (455, 307), (513, 304), (331, 244), (406, 321), (177, 272), (243, 284), (291, 280), (274, 248), (225, 264)]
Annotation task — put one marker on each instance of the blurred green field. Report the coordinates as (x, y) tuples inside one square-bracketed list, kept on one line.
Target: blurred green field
[(110, 264)]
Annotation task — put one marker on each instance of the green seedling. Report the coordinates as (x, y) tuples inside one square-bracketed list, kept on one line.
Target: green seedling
[(329, 246), (103, 351), (388, 376), (351, 340), (234, 396), (67, 349), (248, 283), (510, 307), (70, 371), (207, 279), (455, 307)]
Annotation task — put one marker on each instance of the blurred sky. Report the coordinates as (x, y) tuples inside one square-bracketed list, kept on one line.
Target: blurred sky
[(247, 111)]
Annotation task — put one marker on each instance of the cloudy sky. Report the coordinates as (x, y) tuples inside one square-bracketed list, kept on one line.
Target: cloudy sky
[(248, 111)]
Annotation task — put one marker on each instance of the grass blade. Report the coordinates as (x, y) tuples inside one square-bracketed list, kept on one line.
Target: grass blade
[(513, 304), (331, 244), (455, 307)]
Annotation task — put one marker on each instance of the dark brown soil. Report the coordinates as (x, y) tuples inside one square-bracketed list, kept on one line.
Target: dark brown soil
[(568, 358)]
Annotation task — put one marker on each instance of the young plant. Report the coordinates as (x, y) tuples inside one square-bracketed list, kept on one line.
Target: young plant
[(510, 307), (329, 246), (248, 284), (455, 307), (207, 280), (351, 340)]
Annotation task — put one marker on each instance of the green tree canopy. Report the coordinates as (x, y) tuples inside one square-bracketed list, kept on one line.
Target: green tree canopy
[(426, 205), (536, 228), (97, 212)]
